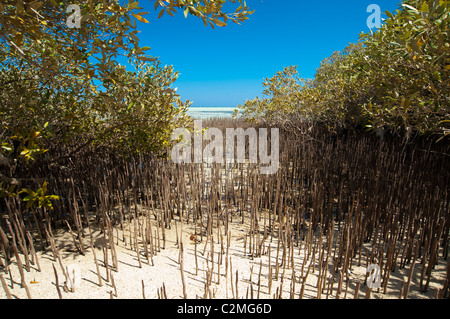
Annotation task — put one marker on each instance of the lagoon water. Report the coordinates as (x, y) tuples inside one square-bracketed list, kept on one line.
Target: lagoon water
[(203, 112)]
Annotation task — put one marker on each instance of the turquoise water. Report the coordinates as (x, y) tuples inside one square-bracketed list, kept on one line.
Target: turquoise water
[(208, 112)]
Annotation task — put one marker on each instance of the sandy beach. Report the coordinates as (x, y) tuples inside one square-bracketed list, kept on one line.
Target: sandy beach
[(160, 276)]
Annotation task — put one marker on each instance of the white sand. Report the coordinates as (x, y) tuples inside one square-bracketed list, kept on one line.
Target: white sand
[(166, 270)]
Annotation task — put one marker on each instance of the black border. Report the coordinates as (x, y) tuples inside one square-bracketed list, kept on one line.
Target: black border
[(166, 309)]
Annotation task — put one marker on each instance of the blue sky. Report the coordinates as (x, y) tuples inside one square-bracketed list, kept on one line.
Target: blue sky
[(226, 66)]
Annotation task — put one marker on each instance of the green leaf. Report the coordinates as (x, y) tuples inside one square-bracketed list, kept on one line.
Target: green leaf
[(141, 19), (28, 191), (11, 188), (219, 22), (146, 59), (7, 146), (29, 197), (35, 5), (410, 7), (18, 39), (437, 76)]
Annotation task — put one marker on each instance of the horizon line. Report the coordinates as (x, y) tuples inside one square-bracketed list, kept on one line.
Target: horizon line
[(212, 106)]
